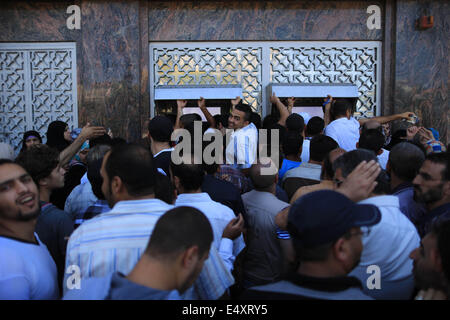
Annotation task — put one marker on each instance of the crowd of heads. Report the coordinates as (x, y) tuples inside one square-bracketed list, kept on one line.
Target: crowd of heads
[(325, 226)]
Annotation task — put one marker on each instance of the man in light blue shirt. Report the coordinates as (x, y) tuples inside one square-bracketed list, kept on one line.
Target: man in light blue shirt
[(172, 261), (187, 178), (241, 150), (115, 240), (385, 269)]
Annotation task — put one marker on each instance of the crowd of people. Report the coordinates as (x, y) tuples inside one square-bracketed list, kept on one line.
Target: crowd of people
[(333, 208)]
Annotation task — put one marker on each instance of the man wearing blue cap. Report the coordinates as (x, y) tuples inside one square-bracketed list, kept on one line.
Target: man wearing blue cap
[(327, 243)]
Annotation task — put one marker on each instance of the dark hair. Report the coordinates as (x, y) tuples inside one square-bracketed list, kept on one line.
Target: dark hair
[(327, 167), (222, 119), (190, 175), (94, 163), (55, 135), (292, 143), (405, 160), (255, 118), (441, 229), (315, 126), (444, 159), (160, 128), (350, 160), (179, 229), (340, 107), (186, 119), (134, 165), (371, 139), (39, 161), (104, 139), (7, 161), (320, 146), (269, 121), (28, 134), (164, 189), (295, 122), (246, 109)]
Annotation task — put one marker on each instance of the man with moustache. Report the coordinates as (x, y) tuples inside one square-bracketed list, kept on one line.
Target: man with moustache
[(432, 187), (27, 271)]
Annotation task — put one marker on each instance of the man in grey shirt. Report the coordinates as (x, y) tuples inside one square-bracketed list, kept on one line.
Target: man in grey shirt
[(263, 262)]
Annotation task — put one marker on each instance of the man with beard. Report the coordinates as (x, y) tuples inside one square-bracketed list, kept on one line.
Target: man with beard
[(432, 187), (54, 226), (327, 243), (432, 263), (27, 271)]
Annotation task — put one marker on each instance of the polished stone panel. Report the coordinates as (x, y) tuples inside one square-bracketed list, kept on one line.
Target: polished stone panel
[(422, 64), (260, 20), (112, 45)]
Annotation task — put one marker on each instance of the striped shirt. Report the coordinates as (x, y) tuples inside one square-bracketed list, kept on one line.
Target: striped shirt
[(115, 240), (241, 151)]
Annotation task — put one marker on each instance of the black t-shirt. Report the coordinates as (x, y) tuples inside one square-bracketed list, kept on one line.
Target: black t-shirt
[(162, 160)]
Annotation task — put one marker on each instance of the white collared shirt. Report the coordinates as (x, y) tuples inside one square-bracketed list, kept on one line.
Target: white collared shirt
[(388, 246), (218, 215), (241, 151)]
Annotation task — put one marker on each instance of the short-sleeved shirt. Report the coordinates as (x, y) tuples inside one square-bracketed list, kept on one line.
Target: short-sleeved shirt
[(306, 171), (27, 271), (241, 151), (264, 260), (162, 160), (345, 132)]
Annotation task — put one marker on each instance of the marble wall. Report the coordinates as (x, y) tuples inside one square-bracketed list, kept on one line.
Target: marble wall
[(422, 63), (112, 45)]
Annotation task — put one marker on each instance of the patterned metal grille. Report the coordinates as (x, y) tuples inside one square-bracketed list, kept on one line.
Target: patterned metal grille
[(210, 65), (38, 86), (256, 64), (324, 64)]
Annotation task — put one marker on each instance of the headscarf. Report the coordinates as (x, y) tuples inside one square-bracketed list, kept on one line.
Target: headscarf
[(28, 134), (55, 135)]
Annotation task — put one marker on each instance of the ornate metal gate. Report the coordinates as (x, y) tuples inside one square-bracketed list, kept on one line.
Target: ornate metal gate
[(256, 64), (38, 85)]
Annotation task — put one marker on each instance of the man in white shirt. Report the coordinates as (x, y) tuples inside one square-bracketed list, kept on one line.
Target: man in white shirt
[(344, 128), (27, 271), (187, 178), (241, 150), (385, 269)]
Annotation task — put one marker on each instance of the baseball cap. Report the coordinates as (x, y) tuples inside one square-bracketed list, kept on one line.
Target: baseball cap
[(324, 216), (160, 128)]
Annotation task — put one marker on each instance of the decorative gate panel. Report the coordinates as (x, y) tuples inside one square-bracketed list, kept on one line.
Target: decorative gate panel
[(38, 86), (256, 64)]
